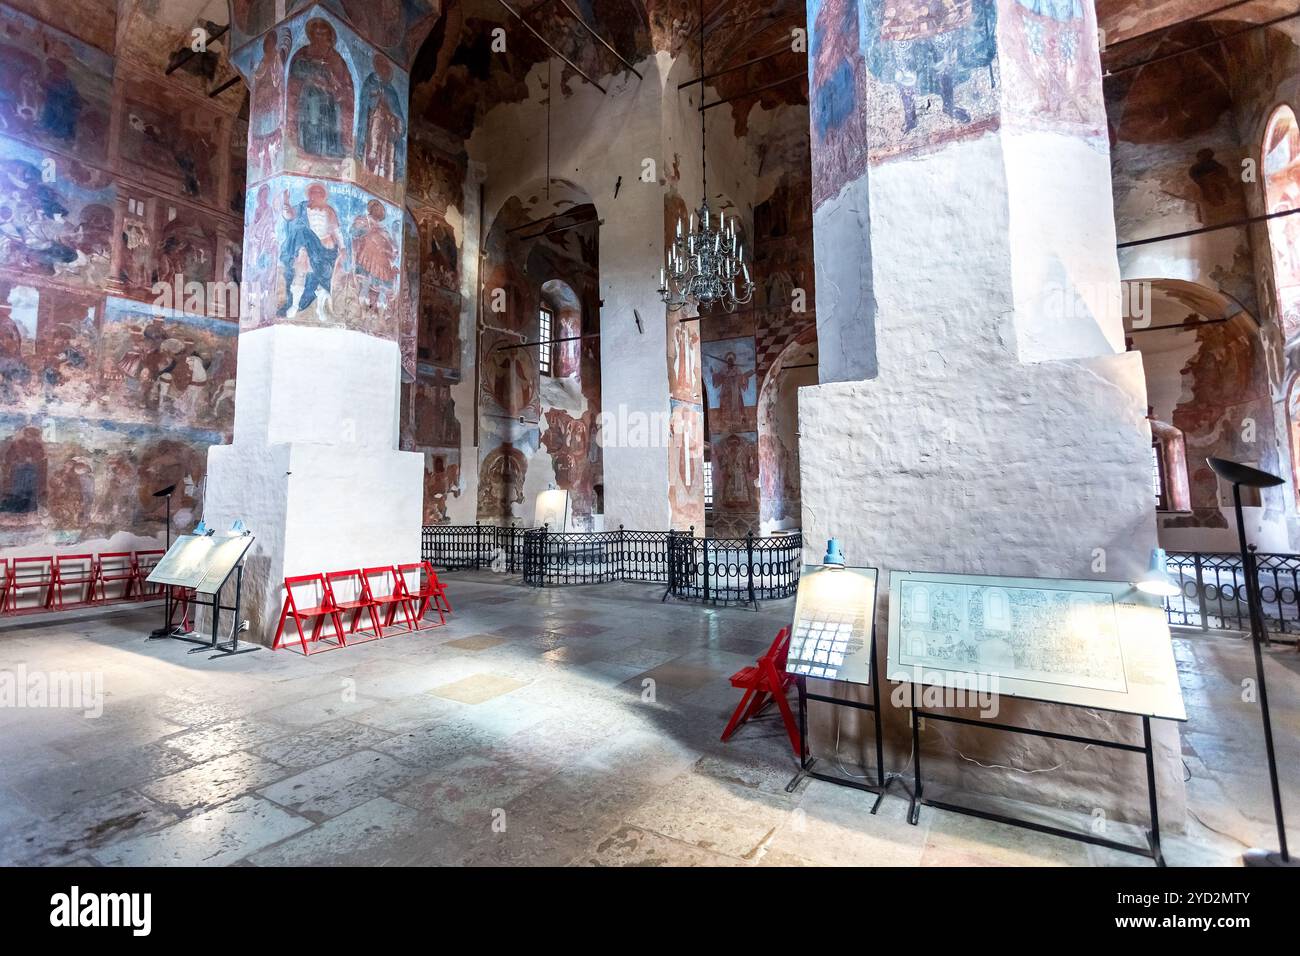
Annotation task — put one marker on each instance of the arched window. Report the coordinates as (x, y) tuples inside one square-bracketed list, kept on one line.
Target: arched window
[(1281, 193)]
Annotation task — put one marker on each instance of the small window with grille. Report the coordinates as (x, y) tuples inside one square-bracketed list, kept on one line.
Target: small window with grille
[(545, 326)]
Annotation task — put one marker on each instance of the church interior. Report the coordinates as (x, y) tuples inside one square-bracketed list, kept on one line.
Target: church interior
[(755, 433)]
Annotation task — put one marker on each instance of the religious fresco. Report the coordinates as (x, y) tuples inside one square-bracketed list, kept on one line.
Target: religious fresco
[(836, 96), (408, 302), (441, 482), (105, 397), (919, 52), (1049, 60), (735, 459), (508, 377), (573, 451), (71, 480), (321, 101), (266, 106), (686, 466), (167, 139), (165, 366), (730, 384), (322, 253), (433, 177), (439, 252), (54, 90), (434, 413), (503, 468), (56, 217), (1224, 385), (49, 339)]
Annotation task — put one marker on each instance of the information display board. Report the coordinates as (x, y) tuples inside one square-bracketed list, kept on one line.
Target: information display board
[(201, 562), (831, 634), (1101, 644)]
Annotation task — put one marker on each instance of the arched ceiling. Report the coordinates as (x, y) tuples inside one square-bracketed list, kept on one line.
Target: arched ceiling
[(458, 77)]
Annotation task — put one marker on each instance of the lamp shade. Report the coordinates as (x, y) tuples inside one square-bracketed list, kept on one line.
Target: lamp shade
[(834, 556), (1240, 474), (1157, 580)]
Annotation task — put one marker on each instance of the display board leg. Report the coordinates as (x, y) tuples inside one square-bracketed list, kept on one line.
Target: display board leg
[(914, 810), (807, 762), (1150, 851)]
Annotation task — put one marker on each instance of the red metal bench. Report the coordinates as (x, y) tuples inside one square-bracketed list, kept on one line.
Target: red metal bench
[(318, 613), (764, 682)]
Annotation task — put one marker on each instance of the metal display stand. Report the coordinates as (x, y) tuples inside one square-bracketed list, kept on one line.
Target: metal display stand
[(1151, 851), (202, 590), (807, 762)]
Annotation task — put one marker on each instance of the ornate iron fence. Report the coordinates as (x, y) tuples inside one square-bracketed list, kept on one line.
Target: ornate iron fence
[(713, 570), (729, 570), (1213, 591)]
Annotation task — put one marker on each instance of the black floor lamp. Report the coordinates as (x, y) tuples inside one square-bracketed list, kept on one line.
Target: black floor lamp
[(1244, 476), (166, 629)]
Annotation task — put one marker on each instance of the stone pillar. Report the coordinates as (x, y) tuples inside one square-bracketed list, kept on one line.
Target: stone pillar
[(983, 416), (314, 469)]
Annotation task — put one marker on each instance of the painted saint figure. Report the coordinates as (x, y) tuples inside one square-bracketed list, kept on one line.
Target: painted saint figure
[(730, 381), (929, 48), (321, 93), (312, 229), (382, 152), (266, 107), (376, 255)]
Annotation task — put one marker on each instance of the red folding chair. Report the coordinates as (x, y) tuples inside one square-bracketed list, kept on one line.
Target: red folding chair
[(385, 589), (425, 592), (73, 570), (351, 582), (318, 613), (5, 572), (115, 567), (28, 574), (145, 562), (439, 590), (763, 683)]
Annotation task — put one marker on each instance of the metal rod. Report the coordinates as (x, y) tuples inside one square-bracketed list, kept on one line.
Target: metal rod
[(538, 222), (606, 43), (1236, 223), (524, 345), (733, 69), (1034, 732), (1201, 46), (751, 92), (1196, 325), (190, 53), (572, 225), (573, 66), (225, 86)]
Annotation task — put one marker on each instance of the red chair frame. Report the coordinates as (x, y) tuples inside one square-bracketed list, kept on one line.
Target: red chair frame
[(183, 601), (105, 576), (4, 585), (425, 593), (319, 613), (146, 561), (360, 603), (65, 578), (764, 682), (42, 566), (396, 597)]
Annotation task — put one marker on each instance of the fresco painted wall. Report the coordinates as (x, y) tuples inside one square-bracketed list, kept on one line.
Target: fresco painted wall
[(538, 431), (115, 182)]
